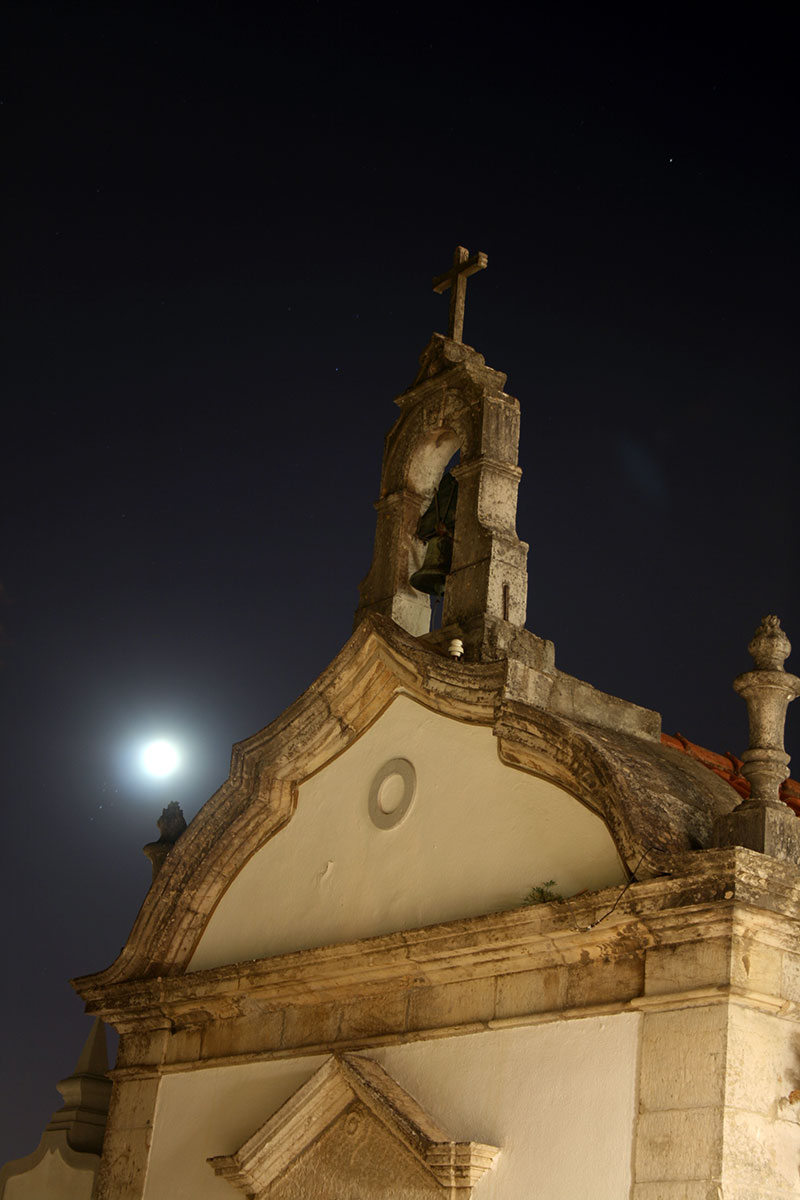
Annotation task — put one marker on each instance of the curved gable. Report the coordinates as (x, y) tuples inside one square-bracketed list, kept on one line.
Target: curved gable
[(417, 822), (623, 778)]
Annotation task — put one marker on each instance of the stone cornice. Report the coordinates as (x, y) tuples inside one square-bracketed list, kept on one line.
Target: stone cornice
[(714, 894)]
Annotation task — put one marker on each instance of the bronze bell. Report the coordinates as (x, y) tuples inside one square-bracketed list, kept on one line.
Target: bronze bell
[(435, 528), (432, 575)]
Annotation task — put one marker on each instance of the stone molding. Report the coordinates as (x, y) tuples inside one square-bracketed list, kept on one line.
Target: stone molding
[(622, 778), (551, 961), (322, 1101), (440, 354)]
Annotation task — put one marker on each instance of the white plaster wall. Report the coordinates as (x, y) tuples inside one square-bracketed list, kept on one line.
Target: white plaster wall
[(213, 1111), (559, 1099), (51, 1179), (479, 835)]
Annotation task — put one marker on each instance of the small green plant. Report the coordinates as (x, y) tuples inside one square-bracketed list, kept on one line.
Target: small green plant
[(542, 893)]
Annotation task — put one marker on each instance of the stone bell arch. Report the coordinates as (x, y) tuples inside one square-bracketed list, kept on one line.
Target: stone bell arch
[(455, 404)]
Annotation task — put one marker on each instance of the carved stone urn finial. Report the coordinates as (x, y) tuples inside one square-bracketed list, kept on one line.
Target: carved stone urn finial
[(770, 646), (767, 691), (764, 822)]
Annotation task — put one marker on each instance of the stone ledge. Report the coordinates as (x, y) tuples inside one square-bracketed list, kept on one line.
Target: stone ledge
[(698, 938)]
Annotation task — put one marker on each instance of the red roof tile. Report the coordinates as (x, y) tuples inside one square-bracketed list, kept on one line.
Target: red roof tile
[(729, 768)]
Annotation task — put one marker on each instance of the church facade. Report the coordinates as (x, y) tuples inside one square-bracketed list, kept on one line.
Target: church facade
[(458, 924)]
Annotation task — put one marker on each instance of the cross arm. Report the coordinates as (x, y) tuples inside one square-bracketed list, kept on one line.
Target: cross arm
[(469, 266)]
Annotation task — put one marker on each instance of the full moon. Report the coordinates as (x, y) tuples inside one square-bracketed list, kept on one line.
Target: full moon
[(160, 758)]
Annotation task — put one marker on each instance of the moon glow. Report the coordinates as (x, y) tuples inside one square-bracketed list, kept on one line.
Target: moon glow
[(160, 758)]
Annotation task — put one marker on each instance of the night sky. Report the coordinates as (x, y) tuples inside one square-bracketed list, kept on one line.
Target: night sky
[(221, 223)]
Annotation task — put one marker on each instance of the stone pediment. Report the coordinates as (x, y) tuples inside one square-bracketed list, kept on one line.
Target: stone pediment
[(351, 1132)]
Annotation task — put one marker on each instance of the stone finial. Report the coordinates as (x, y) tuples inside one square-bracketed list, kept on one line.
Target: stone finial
[(171, 825), (770, 646), (764, 822), (768, 691)]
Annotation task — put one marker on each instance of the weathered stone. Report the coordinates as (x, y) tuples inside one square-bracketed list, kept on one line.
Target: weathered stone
[(769, 829), (465, 1003), (763, 822), (455, 280), (679, 1145), (126, 1150), (351, 1120), (458, 405), (171, 824)]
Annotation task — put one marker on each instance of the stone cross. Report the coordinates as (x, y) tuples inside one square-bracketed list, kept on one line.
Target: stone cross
[(456, 280)]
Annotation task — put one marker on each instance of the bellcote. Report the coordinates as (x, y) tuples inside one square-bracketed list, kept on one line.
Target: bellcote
[(456, 406)]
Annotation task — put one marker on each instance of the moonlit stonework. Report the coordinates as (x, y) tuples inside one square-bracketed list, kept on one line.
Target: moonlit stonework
[(160, 758)]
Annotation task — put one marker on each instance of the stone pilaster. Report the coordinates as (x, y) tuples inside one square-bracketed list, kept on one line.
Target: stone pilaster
[(123, 1168), (397, 555), (717, 1100)]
